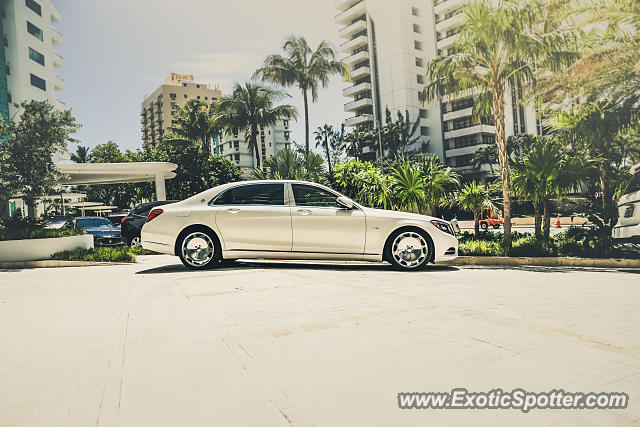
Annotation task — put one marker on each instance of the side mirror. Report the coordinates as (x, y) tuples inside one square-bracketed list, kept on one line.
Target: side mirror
[(344, 202)]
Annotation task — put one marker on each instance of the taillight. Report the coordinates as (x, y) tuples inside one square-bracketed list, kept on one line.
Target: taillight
[(153, 214), (123, 220)]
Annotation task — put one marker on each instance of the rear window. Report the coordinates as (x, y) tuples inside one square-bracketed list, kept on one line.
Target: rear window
[(253, 194)]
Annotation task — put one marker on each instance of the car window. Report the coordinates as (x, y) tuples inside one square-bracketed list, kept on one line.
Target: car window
[(255, 194), (141, 210), (92, 222), (309, 195)]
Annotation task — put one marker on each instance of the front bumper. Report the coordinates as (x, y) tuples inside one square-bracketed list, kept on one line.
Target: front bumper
[(107, 241), (446, 248)]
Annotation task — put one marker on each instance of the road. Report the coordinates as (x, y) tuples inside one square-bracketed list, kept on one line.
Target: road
[(302, 344)]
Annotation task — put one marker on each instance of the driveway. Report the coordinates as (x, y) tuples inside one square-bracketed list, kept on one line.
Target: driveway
[(302, 344)]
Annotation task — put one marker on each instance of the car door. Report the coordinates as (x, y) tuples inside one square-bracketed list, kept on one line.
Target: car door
[(254, 217), (321, 226)]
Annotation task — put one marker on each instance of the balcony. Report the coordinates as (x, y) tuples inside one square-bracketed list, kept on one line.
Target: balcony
[(357, 58), (358, 120), (447, 42), (356, 105), (353, 44), (452, 115), (343, 5), (344, 18), (58, 61), (58, 82), (360, 72), (469, 131), (448, 5), (56, 37), (352, 29), (449, 23), (464, 150), (356, 89)]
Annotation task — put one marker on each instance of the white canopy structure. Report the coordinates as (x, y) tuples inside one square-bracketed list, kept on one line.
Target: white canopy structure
[(118, 173)]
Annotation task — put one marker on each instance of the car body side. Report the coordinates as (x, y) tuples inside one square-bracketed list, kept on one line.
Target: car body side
[(162, 233)]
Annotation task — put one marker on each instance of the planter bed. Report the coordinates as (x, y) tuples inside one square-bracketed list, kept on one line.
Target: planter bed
[(41, 249)]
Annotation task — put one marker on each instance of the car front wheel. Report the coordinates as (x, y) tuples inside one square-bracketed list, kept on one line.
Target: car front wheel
[(409, 249), (199, 249), (484, 226)]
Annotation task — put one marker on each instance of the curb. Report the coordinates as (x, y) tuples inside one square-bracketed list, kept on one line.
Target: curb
[(10, 265), (545, 261)]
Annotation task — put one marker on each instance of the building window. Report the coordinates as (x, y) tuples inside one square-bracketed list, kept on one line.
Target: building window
[(236, 145), (286, 136), (198, 96), (172, 95), (34, 31), (185, 95), (38, 82), (184, 84), (286, 124), (237, 157), (31, 4), (198, 86), (423, 114), (262, 139), (5, 41), (419, 62), (206, 98), (36, 56), (424, 130), (417, 45), (416, 28), (420, 79), (415, 11)]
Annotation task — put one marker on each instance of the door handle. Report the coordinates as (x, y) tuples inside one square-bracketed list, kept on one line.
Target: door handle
[(304, 211), (233, 210)]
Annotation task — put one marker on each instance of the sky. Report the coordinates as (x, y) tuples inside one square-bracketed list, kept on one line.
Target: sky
[(118, 51)]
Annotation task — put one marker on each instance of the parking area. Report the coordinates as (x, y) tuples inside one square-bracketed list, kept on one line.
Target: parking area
[(304, 344)]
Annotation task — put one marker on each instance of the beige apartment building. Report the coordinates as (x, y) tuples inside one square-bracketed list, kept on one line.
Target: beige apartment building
[(159, 107)]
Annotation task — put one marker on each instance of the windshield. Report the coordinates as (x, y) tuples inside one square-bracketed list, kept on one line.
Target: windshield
[(93, 222)]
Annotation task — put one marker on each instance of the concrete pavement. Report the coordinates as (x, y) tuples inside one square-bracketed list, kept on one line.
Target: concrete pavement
[(303, 344)]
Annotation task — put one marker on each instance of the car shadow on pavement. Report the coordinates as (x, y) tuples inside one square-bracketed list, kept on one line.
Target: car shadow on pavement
[(262, 265)]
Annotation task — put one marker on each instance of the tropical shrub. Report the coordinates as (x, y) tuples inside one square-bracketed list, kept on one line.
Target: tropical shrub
[(533, 246)]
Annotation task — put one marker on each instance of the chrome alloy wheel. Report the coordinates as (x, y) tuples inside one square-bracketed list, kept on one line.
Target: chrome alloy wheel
[(410, 249), (198, 249), (136, 242)]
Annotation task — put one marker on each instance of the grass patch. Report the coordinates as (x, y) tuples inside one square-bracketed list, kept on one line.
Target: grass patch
[(101, 254), (141, 251), (37, 233), (481, 248)]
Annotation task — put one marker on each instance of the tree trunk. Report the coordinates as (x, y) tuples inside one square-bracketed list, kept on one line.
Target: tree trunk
[(476, 222), (254, 144), (538, 219), (326, 146), (503, 157), (547, 218), (31, 208), (306, 121)]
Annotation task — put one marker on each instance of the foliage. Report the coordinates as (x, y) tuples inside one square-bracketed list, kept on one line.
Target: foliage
[(30, 142), (408, 188), (590, 243), (250, 107), (398, 135), (18, 228), (100, 254), (289, 164), (533, 246), (355, 141), (475, 198), (498, 44), (440, 181), (82, 155), (194, 123), (481, 248), (303, 67), (327, 138)]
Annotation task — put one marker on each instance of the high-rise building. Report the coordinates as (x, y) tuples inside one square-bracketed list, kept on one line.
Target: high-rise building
[(462, 135), (271, 139), (159, 108), (28, 60), (387, 44)]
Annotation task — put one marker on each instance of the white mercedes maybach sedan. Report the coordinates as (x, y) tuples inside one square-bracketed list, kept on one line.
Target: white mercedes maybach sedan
[(293, 220)]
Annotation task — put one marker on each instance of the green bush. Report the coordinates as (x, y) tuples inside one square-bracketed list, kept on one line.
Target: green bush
[(141, 251), (101, 254), (532, 246), (481, 248), (37, 233)]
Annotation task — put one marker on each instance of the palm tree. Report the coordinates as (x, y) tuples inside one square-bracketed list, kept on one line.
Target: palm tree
[(398, 135), (475, 198), (82, 155), (440, 181), (325, 135), (195, 122), (498, 44), (289, 164), (355, 141), (304, 68), (408, 187), (249, 107)]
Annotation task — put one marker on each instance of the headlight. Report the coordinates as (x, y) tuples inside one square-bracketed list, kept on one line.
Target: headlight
[(443, 226)]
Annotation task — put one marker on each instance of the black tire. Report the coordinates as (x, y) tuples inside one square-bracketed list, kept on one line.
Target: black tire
[(132, 242), (416, 260), (198, 257), (484, 226), (496, 226)]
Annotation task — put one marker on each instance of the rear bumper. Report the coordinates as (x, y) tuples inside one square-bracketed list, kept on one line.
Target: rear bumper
[(157, 242)]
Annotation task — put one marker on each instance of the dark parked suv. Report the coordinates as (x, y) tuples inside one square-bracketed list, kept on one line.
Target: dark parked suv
[(131, 224)]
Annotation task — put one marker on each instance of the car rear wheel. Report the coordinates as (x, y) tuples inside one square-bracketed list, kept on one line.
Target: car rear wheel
[(409, 249), (135, 242), (199, 249)]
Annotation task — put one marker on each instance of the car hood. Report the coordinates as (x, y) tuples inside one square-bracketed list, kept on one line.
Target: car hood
[(383, 213), (104, 231)]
